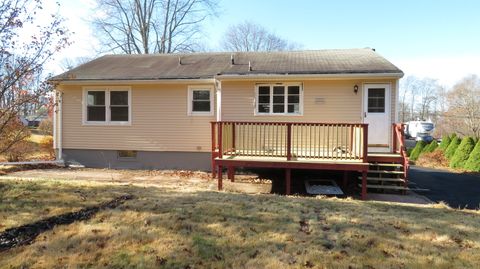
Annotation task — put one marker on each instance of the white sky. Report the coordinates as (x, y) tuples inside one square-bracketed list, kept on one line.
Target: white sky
[(446, 66)]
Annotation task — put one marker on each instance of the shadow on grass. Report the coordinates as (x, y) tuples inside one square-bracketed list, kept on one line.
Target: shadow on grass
[(208, 229)]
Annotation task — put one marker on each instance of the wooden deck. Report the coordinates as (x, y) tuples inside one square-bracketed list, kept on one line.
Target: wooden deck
[(318, 146)]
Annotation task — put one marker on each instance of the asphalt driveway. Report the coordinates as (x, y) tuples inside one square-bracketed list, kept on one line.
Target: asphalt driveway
[(457, 190)]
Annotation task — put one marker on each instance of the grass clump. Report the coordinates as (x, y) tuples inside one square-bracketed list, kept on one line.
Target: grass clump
[(446, 140), (473, 162), (452, 147), (430, 147), (462, 153), (417, 150), (206, 248)]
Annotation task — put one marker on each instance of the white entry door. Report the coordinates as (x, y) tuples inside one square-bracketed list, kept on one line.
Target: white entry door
[(377, 113)]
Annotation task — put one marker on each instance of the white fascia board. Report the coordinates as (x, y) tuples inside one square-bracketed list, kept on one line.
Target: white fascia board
[(310, 76), (135, 81)]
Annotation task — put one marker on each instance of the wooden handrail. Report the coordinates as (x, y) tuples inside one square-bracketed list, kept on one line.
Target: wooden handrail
[(291, 140), (293, 123), (365, 143), (399, 138)]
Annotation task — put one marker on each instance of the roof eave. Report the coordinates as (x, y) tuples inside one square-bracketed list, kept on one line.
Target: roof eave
[(389, 75), (114, 82)]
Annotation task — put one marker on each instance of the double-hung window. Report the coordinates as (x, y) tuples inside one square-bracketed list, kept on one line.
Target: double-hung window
[(108, 105), (279, 99), (200, 100)]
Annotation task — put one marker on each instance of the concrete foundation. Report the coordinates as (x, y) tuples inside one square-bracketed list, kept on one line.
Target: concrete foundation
[(144, 160)]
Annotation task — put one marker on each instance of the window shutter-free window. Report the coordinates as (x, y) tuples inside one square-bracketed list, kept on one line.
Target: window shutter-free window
[(264, 99), (293, 99), (107, 105), (96, 109), (279, 99), (201, 101), (119, 105)]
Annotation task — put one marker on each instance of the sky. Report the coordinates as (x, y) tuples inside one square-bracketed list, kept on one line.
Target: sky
[(425, 38)]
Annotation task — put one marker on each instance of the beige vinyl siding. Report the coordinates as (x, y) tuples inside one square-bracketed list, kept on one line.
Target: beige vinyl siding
[(326, 101), (323, 101), (159, 122)]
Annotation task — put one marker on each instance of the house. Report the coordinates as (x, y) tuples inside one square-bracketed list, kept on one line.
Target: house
[(324, 109)]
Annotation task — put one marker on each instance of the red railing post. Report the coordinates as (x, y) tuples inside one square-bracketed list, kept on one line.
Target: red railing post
[(365, 143), (394, 138), (289, 141), (220, 139), (233, 138), (214, 147)]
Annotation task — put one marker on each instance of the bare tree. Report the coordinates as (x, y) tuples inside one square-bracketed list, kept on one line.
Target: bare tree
[(464, 106), (418, 98), (249, 36), (406, 88), (22, 61), (426, 94), (152, 26)]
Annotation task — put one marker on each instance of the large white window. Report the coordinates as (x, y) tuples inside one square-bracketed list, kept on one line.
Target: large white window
[(107, 105), (279, 99), (200, 101)]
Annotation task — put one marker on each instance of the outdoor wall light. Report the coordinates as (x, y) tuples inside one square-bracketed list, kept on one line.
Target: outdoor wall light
[(355, 89)]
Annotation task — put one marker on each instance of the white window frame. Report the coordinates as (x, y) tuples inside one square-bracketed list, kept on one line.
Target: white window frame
[(107, 90), (285, 113), (193, 88)]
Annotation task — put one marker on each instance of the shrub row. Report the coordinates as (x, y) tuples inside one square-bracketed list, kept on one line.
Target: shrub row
[(461, 153)]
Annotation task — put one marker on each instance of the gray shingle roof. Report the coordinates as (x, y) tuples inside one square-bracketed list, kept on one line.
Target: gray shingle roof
[(209, 65)]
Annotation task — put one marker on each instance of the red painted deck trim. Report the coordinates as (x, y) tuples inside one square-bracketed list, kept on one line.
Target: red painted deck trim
[(293, 165)]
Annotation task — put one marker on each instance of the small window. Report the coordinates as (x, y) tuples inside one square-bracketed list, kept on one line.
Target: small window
[(108, 105), (376, 100), (200, 101), (294, 99), (127, 154), (279, 99), (96, 110), (263, 99), (119, 105)]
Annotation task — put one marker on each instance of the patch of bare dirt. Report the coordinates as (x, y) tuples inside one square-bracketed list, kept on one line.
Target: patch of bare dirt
[(169, 179)]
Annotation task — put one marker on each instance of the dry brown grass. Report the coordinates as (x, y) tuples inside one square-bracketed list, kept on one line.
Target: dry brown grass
[(179, 221), (35, 150), (26, 201)]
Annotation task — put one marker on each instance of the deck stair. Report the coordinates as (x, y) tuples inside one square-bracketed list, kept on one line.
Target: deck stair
[(386, 177)]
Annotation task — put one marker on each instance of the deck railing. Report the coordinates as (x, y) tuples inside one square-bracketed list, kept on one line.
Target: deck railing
[(291, 140), (398, 130)]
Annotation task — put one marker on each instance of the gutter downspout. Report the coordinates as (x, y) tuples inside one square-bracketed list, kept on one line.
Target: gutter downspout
[(60, 123)]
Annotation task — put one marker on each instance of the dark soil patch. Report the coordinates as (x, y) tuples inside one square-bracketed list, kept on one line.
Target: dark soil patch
[(25, 167), (25, 234)]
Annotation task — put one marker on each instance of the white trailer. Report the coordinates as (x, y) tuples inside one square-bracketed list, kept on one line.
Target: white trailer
[(418, 129)]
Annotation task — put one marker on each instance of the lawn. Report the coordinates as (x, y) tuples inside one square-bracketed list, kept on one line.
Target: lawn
[(178, 220)]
